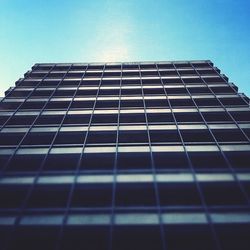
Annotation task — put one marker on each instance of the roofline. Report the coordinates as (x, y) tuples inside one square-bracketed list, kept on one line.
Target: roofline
[(114, 63)]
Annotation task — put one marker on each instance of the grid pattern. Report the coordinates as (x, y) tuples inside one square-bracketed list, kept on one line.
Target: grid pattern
[(150, 155)]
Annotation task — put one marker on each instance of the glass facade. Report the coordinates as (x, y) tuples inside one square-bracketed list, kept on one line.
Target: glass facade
[(115, 156)]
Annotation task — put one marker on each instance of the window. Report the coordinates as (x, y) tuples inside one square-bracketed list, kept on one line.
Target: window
[(239, 160), (196, 136), (175, 91), (10, 138), (111, 91), (63, 162), (188, 117), (21, 120), (233, 101), (156, 103), (216, 117), (26, 162), (160, 117), (12, 196), (185, 194), (181, 102), (164, 136), (135, 194), (38, 138), (170, 160), (227, 135), (132, 118), (51, 119), (70, 138), (132, 91), (208, 160), (241, 116), (49, 197), (92, 195), (133, 136), (100, 161), (104, 118), (107, 104), (137, 237), (131, 103), (95, 237), (77, 119), (101, 137), (133, 160), (222, 193)]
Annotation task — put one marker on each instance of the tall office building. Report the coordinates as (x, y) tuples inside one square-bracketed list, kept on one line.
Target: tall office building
[(121, 156)]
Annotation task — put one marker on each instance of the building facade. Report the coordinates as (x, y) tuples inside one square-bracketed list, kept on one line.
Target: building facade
[(115, 156)]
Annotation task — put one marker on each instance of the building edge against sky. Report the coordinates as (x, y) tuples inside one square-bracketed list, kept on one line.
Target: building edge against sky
[(143, 155)]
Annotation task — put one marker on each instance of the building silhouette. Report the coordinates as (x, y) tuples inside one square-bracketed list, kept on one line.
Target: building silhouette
[(115, 156)]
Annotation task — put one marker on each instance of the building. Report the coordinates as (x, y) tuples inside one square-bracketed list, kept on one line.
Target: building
[(115, 156)]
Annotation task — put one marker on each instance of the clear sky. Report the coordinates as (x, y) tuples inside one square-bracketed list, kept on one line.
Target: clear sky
[(124, 30)]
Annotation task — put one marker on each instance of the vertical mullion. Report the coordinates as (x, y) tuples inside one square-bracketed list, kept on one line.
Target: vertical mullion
[(115, 169), (77, 171), (215, 238), (155, 183)]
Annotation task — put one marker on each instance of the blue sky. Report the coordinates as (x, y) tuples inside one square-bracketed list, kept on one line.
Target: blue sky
[(119, 30)]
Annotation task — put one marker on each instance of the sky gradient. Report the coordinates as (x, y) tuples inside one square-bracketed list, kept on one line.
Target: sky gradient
[(119, 30)]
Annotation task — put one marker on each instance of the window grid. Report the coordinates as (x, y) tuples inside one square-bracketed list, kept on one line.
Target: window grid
[(117, 213), (219, 147), (204, 205), (72, 188), (24, 203)]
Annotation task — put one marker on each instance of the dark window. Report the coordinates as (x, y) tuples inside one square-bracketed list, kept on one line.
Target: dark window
[(196, 136), (10, 138), (176, 194), (21, 163), (77, 119), (21, 120), (133, 161), (131, 103), (70, 138), (135, 195), (164, 136), (156, 103), (227, 135), (49, 119), (101, 137), (160, 117), (92, 195), (55, 196), (94, 161), (59, 162), (38, 138), (216, 116), (222, 194), (205, 160), (239, 160), (132, 118), (137, 237), (133, 136), (170, 160), (188, 117), (12, 196), (104, 118)]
